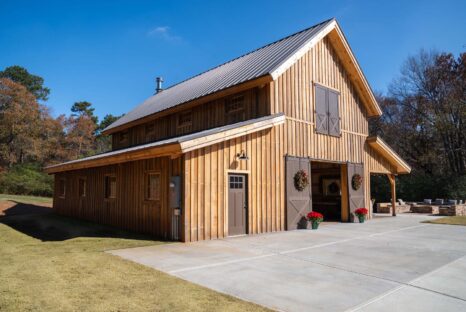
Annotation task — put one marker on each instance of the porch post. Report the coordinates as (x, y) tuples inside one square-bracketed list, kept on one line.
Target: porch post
[(391, 178)]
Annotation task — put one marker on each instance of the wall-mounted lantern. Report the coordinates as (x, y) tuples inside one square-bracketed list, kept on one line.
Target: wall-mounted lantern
[(242, 155)]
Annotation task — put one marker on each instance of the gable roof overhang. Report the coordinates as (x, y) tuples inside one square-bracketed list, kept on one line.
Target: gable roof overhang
[(381, 147), (344, 52), (172, 147), (252, 69)]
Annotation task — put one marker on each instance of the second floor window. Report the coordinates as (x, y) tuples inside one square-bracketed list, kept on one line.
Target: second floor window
[(234, 109), (184, 119), (123, 137), (149, 132)]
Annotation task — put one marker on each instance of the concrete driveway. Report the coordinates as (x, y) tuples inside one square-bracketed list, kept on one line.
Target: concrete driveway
[(386, 264)]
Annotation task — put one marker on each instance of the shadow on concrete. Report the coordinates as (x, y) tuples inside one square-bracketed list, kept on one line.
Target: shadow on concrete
[(42, 223)]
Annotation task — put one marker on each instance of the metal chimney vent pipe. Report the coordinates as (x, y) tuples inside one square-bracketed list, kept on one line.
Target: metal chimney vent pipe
[(158, 82)]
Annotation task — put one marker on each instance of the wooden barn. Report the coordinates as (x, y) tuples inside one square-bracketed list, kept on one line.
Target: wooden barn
[(225, 152)]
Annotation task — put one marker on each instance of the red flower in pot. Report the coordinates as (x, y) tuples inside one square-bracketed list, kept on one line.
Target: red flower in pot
[(315, 218), (361, 213)]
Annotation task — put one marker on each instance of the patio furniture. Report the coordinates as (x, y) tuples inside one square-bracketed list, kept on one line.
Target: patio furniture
[(438, 201), (428, 201), (451, 202)]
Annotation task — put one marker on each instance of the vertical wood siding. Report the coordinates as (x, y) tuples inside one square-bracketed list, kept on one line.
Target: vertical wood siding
[(293, 94), (129, 210), (205, 176), (205, 171), (206, 116)]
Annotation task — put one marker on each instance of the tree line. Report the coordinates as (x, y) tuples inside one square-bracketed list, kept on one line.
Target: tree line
[(31, 138), (424, 119)]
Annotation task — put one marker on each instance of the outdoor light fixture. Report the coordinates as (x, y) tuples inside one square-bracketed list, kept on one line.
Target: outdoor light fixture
[(242, 155)]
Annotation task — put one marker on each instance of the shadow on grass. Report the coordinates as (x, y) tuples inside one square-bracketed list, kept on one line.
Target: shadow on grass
[(42, 223)]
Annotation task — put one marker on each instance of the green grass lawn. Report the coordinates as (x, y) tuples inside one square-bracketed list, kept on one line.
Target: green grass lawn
[(52, 263), (456, 220), (26, 199)]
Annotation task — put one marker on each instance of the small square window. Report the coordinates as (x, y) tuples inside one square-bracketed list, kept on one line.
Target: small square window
[(124, 136), (235, 105), (110, 187), (82, 187), (184, 119)]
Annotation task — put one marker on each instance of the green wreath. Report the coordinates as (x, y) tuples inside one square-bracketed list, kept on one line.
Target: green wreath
[(356, 182), (301, 180)]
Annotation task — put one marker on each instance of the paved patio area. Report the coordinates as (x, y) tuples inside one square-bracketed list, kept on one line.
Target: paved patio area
[(386, 264)]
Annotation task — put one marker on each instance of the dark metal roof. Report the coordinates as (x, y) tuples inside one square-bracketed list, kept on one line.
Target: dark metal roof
[(258, 63)]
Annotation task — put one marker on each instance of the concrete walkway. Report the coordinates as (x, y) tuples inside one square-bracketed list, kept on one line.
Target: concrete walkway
[(386, 264)]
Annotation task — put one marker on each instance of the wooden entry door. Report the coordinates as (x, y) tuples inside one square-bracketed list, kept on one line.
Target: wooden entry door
[(298, 203), (237, 204), (356, 198)]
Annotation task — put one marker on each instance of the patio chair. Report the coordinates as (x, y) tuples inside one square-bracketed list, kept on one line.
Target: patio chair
[(428, 201), (438, 201)]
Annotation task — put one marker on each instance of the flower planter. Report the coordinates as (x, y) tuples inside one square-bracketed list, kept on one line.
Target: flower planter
[(315, 218), (361, 213)]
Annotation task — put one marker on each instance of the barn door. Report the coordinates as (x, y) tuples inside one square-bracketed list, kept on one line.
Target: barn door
[(356, 196), (298, 203)]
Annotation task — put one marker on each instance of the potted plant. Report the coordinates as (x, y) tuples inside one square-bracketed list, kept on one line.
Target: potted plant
[(315, 218), (361, 213)]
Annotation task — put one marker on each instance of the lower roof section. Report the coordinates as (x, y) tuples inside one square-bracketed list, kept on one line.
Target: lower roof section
[(388, 153), (173, 146)]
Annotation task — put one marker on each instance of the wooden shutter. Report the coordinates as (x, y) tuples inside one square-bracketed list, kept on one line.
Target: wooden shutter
[(298, 203), (333, 114), (321, 110)]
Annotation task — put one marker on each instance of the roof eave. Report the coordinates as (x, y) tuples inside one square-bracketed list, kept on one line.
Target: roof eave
[(388, 153), (333, 30), (175, 146)]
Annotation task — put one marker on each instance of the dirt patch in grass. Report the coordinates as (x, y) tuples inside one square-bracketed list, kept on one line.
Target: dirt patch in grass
[(52, 263), (455, 220)]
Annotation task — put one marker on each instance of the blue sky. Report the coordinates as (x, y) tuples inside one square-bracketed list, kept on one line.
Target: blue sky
[(109, 52)]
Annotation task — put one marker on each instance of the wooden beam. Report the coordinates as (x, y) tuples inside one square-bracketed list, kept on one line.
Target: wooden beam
[(391, 178), (199, 101), (344, 193)]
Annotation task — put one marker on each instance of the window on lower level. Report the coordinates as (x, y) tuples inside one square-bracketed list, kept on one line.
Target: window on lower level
[(61, 187), (152, 186), (110, 187), (82, 187)]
